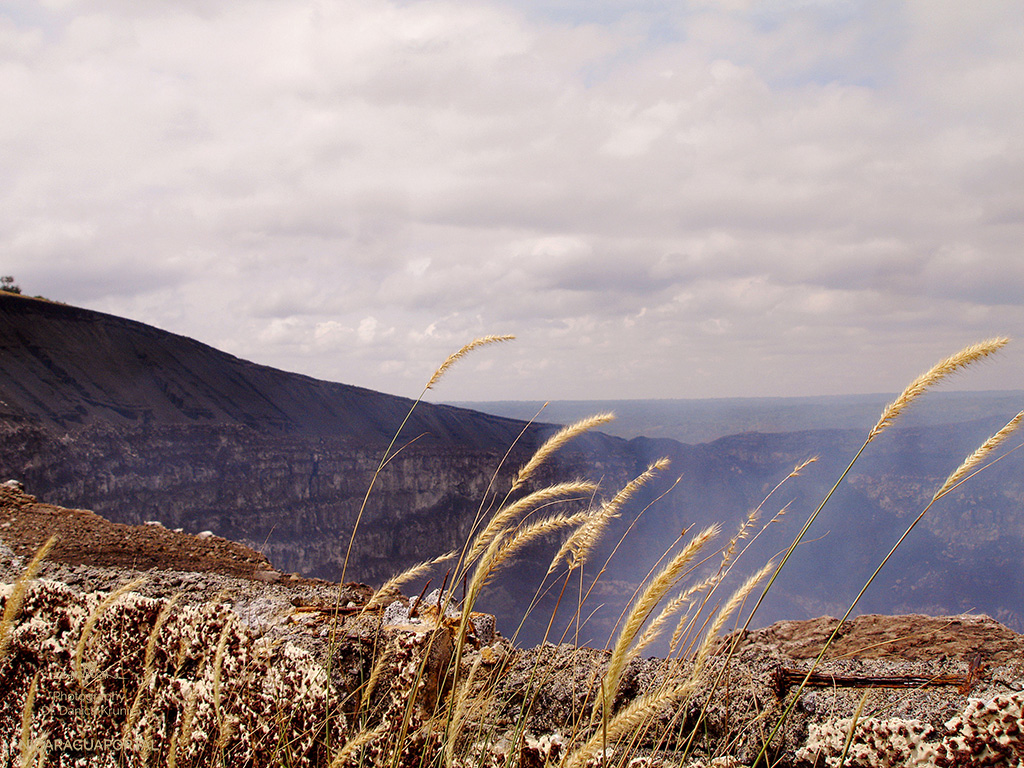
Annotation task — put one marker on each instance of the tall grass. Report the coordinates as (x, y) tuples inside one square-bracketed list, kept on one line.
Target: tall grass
[(427, 698)]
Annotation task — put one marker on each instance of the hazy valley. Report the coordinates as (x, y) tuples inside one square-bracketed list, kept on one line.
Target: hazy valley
[(138, 424)]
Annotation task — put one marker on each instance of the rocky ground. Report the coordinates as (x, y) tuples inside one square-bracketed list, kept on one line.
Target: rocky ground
[(917, 670), (85, 538)]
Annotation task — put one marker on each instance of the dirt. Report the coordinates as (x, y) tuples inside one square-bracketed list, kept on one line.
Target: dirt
[(911, 638), (92, 553), (85, 538)]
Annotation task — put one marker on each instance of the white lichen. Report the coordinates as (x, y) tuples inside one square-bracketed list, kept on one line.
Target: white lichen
[(987, 733), (273, 698)]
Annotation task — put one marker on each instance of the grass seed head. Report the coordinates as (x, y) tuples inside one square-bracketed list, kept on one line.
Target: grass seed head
[(933, 376), (17, 597), (556, 441), (976, 458), (453, 358)]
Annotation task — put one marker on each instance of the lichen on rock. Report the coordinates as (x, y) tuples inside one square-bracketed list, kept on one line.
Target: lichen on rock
[(987, 733), (117, 680)]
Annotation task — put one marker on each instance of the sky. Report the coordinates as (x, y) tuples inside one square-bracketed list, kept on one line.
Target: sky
[(659, 199)]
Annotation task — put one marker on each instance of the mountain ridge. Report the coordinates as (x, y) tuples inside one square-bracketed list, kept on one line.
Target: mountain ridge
[(129, 379)]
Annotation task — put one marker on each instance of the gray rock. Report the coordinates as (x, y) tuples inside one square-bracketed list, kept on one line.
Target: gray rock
[(10, 563)]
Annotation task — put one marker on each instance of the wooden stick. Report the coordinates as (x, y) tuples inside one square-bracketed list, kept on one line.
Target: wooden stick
[(789, 676)]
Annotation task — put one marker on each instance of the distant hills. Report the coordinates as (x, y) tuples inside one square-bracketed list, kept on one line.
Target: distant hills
[(139, 424), (701, 421)]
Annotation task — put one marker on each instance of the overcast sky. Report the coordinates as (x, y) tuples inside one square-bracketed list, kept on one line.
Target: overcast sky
[(660, 199)]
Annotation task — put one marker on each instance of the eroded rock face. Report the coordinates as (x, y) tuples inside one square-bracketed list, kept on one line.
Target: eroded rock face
[(293, 499), (138, 424), (141, 425)]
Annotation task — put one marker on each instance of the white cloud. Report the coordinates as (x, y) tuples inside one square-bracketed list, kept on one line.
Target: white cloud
[(367, 329), (651, 198)]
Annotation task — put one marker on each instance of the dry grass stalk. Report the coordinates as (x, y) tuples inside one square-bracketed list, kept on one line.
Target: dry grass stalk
[(622, 653), (218, 666), (388, 454), (407, 575), (710, 584), (578, 546), (683, 625), (357, 742), (35, 751), (371, 682), (741, 534), (755, 515), (707, 645), (90, 625), (456, 356), (535, 529), (226, 731), (853, 726), (729, 560), (731, 606), (16, 599), (459, 707), (801, 467), (585, 596), (505, 516), (148, 665), (25, 742), (183, 735), (556, 441), (628, 720), (147, 743), (503, 547), (937, 373), (676, 604), (976, 458)]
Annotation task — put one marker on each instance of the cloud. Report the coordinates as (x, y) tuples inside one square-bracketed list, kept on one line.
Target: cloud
[(655, 200)]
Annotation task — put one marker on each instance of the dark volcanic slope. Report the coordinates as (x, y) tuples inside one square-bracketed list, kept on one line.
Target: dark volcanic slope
[(64, 366)]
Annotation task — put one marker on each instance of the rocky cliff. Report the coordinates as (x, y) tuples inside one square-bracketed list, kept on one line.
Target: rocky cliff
[(101, 412), (139, 424)]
